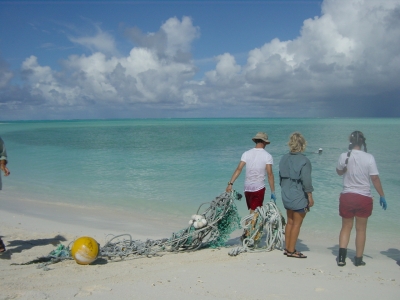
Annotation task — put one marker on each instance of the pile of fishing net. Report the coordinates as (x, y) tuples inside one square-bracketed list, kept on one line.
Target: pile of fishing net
[(218, 221), (209, 228)]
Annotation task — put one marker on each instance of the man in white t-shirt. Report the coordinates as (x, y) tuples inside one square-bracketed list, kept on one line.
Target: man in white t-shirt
[(258, 163), (355, 202)]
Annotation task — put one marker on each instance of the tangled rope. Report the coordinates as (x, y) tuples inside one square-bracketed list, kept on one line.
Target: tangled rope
[(265, 220), (222, 219)]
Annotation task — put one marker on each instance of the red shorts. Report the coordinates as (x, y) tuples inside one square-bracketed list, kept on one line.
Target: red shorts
[(255, 199), (354, 205)]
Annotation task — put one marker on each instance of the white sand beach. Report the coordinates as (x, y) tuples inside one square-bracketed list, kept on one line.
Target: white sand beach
[(30, 231)]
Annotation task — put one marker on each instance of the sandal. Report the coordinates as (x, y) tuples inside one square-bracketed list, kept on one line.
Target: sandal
[(2, 246), (296, 254), (286, 251)]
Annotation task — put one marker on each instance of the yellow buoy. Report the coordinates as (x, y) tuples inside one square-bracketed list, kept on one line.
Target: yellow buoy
[(85, 250)]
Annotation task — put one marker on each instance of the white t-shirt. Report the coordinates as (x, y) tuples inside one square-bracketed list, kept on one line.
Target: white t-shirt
[(360, 167), (256, 160)]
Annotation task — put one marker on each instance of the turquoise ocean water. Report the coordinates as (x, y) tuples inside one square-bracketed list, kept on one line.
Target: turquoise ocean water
[(174, 165)]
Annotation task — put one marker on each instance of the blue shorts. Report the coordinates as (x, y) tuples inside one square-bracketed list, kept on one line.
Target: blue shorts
[(303, 210)]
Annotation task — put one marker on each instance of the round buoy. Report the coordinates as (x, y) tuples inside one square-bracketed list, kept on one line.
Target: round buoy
[(85, 250)]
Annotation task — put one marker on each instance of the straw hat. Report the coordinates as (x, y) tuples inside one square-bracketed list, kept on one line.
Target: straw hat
[(261, 136)]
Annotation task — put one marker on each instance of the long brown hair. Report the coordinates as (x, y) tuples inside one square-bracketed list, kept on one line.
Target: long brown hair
[(356, 138)]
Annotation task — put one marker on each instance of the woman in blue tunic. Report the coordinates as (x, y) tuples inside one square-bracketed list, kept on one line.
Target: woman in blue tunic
[(296, 188)]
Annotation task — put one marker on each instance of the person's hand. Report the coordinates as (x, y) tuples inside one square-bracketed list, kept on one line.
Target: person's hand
[(382, 202), (4, 169), (310, 200), (273, 197), (229, 187)]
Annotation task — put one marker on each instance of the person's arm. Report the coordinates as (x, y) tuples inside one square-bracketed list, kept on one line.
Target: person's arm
[(340, 166), (377, 184), (271, 179), (235, 175), (310, 199), (3, 167), (3, 158), (307, 182)]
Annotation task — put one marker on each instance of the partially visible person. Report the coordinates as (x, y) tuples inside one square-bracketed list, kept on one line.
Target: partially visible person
[(357, 168), (258, 163), (296, 187), (3, 167)]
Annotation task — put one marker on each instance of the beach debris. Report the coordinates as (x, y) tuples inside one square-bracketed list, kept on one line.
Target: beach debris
[(59, 254), (211, 228), (266, 220), (85, 250), (198, 221), (221, 218)]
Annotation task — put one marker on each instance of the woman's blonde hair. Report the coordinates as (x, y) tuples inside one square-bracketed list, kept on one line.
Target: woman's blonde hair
[(297, 142)]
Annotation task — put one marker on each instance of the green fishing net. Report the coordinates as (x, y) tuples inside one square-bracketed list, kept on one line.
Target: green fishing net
[(228, 224)]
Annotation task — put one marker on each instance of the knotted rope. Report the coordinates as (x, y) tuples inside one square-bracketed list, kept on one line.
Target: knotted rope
[(265, 220), (222, 219)]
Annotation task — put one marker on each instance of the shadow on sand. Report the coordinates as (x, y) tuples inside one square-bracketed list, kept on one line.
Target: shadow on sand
[(393, 254), (17, 246), (300, 246)]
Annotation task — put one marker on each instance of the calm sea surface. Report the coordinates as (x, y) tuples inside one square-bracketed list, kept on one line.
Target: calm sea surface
[(174, 165)]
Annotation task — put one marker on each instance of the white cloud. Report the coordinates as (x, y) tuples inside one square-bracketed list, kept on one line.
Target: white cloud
[(44, 84), (142, 77), (173, 40), (349, 50), (5, 75), (225, 71), (101, 41), (180, 35)]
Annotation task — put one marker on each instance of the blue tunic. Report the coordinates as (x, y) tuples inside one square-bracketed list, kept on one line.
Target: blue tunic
[(295, 180)]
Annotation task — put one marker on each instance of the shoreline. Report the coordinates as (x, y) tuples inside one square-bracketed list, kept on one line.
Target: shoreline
[(147, 223), (205, 273), (80, 218)]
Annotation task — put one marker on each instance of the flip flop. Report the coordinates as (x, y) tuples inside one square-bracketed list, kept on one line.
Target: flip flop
[(296, 254)]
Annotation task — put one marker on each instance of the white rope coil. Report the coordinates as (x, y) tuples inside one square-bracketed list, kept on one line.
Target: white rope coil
[(265, 221)]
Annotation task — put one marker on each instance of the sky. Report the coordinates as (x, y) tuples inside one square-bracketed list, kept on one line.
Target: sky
[(199, 59)]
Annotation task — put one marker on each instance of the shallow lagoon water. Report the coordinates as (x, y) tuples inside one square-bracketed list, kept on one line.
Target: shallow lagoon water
[(171, 166)]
